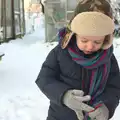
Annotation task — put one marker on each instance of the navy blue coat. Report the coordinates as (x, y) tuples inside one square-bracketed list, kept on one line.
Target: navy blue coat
[(60, 73)]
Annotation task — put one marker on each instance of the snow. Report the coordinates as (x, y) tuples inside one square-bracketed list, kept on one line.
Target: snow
[(34, 22), (20, 98)]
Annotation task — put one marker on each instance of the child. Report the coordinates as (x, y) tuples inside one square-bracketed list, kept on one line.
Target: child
[(80, 76)]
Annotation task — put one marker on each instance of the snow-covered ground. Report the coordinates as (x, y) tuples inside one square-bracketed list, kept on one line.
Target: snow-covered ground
[(20, 98)]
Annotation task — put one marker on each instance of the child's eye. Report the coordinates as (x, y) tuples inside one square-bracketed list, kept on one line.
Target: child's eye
[(84, 41), (97, 42)]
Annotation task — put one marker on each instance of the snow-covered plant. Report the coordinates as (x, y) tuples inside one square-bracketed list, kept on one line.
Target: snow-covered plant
[(1, 55), (116, 9)]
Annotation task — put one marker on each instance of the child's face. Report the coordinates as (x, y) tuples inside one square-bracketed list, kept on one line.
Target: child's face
[(89, 44)]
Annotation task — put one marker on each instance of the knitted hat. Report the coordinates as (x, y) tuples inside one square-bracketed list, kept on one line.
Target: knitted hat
[(93, 24)]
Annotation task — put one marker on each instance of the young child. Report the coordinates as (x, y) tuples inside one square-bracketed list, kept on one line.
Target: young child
[(80, 76)]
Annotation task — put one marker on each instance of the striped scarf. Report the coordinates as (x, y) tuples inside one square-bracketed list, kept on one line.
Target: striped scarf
[(99, 66)]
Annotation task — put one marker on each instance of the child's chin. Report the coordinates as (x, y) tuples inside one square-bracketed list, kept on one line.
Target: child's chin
[(86, 52)]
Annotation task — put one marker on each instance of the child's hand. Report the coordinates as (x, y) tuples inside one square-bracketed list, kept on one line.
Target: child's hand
[(74, 100), (101, 113)]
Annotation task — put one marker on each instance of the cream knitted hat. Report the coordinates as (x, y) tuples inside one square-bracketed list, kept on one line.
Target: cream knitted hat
[(92, 24)]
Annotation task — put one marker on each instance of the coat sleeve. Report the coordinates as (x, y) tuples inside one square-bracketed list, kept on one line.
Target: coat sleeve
[(111, 94), (49, 81)]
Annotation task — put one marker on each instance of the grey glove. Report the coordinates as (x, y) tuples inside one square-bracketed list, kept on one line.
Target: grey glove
[(74, 100), (101, 113)]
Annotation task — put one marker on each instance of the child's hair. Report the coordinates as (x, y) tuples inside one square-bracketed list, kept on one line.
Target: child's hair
[(93, 5)]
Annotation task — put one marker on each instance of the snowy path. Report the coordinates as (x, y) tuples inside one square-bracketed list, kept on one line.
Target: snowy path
[(20, 98)]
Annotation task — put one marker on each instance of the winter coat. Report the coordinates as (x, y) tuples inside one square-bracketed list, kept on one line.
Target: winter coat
[(60, 73)]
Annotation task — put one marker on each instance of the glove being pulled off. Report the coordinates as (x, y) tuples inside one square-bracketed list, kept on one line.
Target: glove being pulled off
[(74, 99), (101, 113)]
